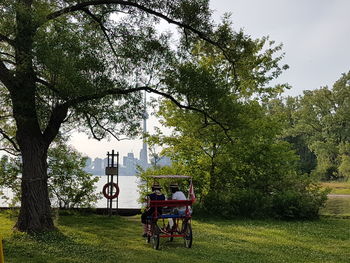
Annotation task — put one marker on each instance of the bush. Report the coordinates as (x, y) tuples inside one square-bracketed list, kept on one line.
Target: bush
[(294, 202), (298, 205)]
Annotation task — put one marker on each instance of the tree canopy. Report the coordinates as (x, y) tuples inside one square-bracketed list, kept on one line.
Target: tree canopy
[(241, 167), (67, 64), (318, 124)]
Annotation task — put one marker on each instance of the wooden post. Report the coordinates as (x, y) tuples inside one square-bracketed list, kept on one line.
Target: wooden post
[(2, 260)]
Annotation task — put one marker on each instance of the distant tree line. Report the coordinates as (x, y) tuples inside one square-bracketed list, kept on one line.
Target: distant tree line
[(317, 124)]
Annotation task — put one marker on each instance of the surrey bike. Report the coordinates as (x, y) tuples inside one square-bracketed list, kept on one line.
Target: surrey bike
[(158, 223)]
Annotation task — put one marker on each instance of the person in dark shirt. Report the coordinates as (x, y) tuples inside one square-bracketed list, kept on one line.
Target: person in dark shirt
[(156, 195)]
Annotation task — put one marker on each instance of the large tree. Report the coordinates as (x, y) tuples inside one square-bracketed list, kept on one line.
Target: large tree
[(78, 61), (83, 64), (318, 124), (242, 167)]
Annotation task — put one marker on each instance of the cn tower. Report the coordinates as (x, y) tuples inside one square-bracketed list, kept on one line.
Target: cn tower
[(143, 152)]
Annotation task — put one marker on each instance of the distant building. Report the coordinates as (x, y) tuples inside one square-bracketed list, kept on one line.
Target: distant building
[(129, 163), (88, 163), (143, 153), (97, 167)]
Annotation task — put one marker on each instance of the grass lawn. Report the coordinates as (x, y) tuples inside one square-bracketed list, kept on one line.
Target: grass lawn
[(94, 238), (337, 206), (339, 188)]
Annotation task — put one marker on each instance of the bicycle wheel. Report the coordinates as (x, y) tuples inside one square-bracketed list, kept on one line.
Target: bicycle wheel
[(155, 237), (171, 239), (171, 232), (187, 231)]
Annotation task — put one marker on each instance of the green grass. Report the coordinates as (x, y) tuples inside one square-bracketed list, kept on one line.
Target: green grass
[(337, 206), (93, 238), (340, 188)]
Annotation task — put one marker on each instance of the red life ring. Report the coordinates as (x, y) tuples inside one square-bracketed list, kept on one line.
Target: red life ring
[(107, 195)]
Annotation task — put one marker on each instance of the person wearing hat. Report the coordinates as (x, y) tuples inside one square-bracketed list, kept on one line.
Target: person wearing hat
[(177, 195), (156, 195)]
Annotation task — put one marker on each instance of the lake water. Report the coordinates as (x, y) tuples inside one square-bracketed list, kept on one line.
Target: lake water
[(127, 198), (128, 191)]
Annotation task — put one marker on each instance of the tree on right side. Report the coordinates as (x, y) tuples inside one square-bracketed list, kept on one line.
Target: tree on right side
[(241, 167), (317, 123)]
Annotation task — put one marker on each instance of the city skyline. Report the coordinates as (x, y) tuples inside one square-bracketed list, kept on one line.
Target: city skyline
[(130, 163), (128, 166)]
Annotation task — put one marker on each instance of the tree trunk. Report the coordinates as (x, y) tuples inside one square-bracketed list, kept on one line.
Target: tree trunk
[(35, 212)]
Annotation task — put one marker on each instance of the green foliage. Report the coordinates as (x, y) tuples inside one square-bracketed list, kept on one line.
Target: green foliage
[(93, 238), (9, 178), (246, 171), (70, 186), (234, 154), (284, 111), (318, 125), (87, 58), (303, 201), (344, 166)]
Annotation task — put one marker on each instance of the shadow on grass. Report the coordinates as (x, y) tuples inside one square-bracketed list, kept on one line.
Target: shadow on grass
[(93, 238)]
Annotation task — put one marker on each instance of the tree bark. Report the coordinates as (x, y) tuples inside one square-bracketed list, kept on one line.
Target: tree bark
[(35, 212)]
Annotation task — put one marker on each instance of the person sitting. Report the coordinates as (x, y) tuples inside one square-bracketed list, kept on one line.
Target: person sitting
[(176, 195), (156, 195)]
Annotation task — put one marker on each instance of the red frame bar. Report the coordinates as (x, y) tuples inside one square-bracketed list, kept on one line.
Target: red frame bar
[(171, 235), (170, 203)]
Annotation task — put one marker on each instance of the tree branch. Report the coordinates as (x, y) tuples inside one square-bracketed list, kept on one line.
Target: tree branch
[(105, 93), (9, 41), (181, 106), (81, 6), (57, 117), (10, 151), (103, 28), (91, 127), (105, 129), (47, 84), (11, 140), (6, 76), (101, 95)]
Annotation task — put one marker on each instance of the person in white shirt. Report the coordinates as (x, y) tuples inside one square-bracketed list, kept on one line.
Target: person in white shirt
[(177, 195)]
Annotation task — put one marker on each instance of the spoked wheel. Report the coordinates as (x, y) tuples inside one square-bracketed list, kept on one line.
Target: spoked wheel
[(171, 239), (171, 232), (149, 233), (155, 237), (187, 231)]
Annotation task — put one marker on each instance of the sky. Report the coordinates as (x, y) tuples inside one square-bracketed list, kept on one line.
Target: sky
[(316, 41)]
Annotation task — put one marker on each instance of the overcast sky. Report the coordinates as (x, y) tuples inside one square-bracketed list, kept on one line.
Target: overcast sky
[(315, 35), (316, 39)]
